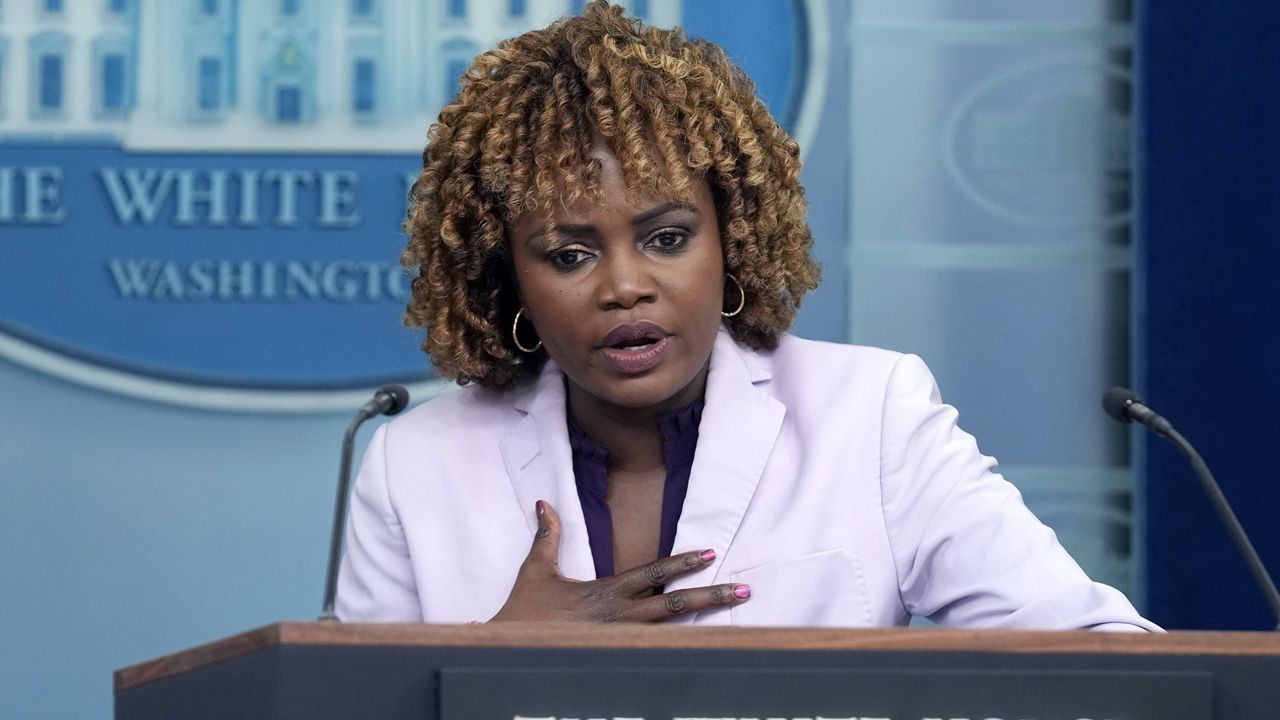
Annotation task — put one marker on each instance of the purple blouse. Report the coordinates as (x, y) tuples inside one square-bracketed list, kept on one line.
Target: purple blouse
[(591, 471)]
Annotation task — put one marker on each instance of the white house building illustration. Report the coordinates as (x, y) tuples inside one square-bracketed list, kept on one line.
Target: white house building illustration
[(251, 75)]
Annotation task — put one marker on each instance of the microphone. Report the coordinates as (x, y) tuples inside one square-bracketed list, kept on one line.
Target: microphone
[(1125, 406), (388, 400)]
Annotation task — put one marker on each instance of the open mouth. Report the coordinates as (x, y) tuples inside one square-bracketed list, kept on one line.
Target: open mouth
[(634, 336), (636, 348), (632, 346)]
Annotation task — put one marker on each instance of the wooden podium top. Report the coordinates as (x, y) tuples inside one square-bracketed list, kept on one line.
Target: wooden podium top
[(556, 635)]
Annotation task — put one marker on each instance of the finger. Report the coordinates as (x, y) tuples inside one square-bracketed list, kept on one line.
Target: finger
[(546, 540), (681, 602), (660, 572)]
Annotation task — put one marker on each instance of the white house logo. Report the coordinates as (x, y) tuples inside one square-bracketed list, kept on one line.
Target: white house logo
[(200, 199), (1034, 143)]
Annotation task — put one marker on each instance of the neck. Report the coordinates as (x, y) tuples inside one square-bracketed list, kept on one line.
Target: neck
[(632, 435)]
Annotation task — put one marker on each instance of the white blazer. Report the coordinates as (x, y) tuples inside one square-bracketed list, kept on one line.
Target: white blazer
[(831, 478)]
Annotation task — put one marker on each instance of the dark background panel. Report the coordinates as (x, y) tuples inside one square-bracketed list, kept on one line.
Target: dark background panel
[(1208, 311)]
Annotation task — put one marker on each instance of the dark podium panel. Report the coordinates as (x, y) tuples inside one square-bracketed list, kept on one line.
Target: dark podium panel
[(543, 671)]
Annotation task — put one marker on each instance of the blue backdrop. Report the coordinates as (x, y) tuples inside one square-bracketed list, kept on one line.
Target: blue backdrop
[(1208, 328)]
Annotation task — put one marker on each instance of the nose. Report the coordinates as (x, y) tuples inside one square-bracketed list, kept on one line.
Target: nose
[(625, 281)]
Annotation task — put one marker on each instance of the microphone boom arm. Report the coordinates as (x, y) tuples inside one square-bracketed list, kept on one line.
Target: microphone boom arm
[(1228, 516), (1125, 406), (388, 400), (340, 515)]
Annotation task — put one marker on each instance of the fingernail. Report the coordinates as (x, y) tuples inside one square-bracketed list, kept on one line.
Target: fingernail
[(742, 592), (538, 508), (707, 555)]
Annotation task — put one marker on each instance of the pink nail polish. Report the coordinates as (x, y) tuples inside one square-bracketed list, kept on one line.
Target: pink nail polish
[(538, 508), (707, 555), (742, 592)]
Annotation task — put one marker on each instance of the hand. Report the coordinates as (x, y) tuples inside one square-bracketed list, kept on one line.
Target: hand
[(541, 593)]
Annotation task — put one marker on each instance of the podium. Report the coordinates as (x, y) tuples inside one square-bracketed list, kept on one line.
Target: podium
[(455, 672)]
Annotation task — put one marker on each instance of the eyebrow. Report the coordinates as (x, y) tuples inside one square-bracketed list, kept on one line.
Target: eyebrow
[(639, 219), (663, 209)]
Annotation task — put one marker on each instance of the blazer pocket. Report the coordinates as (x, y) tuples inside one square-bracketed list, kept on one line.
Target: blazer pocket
[(825, 589)]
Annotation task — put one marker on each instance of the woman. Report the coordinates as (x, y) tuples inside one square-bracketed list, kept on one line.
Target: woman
[(611, 244)]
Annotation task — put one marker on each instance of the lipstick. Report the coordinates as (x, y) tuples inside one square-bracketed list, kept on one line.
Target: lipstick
[(635, 348)]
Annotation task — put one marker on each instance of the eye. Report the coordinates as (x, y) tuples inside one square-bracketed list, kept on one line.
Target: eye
[(669, 240), (568, 258)]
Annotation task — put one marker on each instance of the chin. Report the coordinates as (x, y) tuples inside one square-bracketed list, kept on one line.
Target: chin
[(638, 392)]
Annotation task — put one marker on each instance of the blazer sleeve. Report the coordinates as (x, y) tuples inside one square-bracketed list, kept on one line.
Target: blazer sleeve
[(967, 550), (376, 583)]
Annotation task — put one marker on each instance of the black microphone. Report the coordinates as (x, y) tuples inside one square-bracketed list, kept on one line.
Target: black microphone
[(388, 400), (1125, 405)]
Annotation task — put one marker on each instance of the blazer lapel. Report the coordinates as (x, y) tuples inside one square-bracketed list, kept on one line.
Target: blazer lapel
[(539, 463), (740, 424)]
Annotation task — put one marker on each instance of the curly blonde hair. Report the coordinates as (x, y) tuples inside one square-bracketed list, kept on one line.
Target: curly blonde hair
[(517, 138)]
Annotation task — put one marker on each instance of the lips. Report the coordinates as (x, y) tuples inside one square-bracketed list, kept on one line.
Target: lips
[(640, 333), (635, 348)]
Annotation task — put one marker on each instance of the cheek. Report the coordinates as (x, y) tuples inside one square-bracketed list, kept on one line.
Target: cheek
[(556, 312), (709, 283), (538, 288)]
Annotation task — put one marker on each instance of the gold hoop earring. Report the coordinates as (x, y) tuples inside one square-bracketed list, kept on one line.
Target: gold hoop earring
[(742, 297), (515, 334)]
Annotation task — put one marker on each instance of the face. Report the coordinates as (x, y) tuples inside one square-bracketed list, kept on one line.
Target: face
[(628, 302)]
